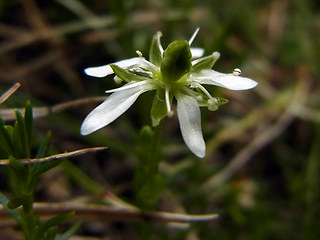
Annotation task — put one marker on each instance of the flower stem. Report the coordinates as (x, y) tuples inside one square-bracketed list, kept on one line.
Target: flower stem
[(148, 183)]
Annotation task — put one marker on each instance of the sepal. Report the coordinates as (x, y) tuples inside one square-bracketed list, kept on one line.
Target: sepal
[(126, 75), (155, 55), (159, 109), (204, 63), (176, 61)]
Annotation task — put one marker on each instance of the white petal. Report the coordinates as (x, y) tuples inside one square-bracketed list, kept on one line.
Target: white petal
[(190, 124), (106, 70), (228, 81), (116, 104), (197, 52)]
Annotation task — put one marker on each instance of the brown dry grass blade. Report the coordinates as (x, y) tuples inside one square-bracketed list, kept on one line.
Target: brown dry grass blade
[(106, 213), (8, 93), (9, 114), (56, 156)]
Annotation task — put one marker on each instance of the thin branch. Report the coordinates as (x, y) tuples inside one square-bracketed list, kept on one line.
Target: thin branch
[(98, 22), (8, 93), (9, 114), (56, 156)]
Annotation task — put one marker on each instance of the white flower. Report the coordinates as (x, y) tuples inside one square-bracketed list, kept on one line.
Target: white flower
[(173, 73)]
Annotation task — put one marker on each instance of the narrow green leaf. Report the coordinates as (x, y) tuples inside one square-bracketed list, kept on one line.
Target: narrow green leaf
[(155, 55), (15, 203), (81, 178), (17, 139), (45, 146), (48, 229), (71, 231), (13, 212), (126, 75), (6, 137), (28, 120), (57, 220), (159, 109), (51, 233), (22, 136), (40, 168), (204, 63)]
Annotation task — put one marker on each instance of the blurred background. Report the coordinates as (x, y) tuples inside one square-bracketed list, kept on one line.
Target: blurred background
[(262, 168)]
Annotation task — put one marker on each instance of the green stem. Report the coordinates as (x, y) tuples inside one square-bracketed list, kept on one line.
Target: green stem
[(149, 184)]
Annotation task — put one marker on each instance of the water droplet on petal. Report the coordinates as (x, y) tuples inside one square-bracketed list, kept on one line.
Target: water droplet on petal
[(236, 71)]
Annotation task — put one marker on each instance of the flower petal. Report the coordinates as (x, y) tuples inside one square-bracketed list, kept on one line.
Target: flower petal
[(197, 52), (190, 124), (115, 105), (106, 70), (228, 81)]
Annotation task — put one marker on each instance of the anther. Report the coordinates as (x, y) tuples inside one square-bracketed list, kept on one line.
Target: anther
[(139, 53)]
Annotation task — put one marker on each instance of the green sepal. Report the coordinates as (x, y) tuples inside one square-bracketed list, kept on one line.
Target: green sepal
[(204, 63), (126, 75), (158, 109), (176, 61), (155, 55)]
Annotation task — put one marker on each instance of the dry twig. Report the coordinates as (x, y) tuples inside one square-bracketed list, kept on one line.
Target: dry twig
[(106, 213), (55, 157), (8, 93)]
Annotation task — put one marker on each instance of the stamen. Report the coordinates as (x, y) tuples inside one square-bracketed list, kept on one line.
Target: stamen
[(170, 114), (216, 54), (202, 89), (193, 36), (139, 53), (190, 92), (167, 98), (117, 80), (159, 35)]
